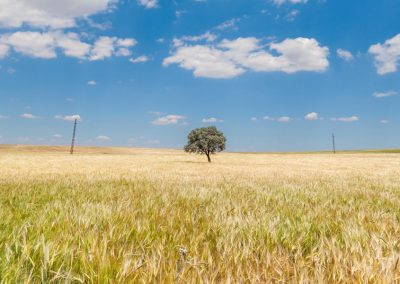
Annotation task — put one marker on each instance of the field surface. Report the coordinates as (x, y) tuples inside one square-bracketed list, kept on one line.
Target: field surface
[(161, 216)]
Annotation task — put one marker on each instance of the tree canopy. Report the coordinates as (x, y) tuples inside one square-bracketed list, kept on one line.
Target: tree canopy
[(206, 141)]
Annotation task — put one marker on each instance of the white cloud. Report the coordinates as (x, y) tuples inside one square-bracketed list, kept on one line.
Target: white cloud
[(205, 62), (280, 2), (3, 117), (149, 4), (28, 116), (72, 45), (387, 55), (108, 46), (212, 120), (346, 119), (69, 117), (124, 45), (33, 44), (312, 116), (253, 118), (229, 24), (103, 47), (123, 51), (45, 45), (140, 59), (291, 16), (300, 54), (4, 49), (126, 42), (380, 95), (384, 121), (49, 13), (103, 138), (92, 83), (153, 141), (100, 26), (168, 119), (240, 47), (208, 37), (268, 118), (57, 136), (53, 17), (284, 119), (344, 54), (231, 58)]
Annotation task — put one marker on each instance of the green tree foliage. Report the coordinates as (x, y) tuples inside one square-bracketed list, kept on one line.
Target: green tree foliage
[(207, 141)]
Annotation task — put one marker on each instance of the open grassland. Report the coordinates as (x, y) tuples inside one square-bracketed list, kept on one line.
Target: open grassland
[(162, 216)]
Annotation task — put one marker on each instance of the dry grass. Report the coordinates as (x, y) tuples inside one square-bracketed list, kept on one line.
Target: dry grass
[(164, 216)]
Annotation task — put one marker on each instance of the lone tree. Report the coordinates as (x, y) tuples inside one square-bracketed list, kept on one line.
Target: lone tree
[(207, 140)]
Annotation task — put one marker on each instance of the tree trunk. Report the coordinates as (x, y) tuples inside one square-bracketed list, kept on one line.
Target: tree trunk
[(209, 158)]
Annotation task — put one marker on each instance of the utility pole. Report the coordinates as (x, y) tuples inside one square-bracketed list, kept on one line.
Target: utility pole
[(73, 138), (333, 143)]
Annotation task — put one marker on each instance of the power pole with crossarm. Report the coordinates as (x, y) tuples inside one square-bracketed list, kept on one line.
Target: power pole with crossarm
[(333, 144), (73, 138)]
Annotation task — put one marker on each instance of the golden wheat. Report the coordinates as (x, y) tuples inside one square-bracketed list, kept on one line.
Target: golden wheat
[(164, 216)]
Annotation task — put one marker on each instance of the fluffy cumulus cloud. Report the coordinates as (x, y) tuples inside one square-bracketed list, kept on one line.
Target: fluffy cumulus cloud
[(71, 44), (31, 44), (231, 58), (387, 55), (69, 117), (168, 119), (205, 61), (108, 46), (47, 44), (344, 54), (52, 18), (312, 116), (49, 13)]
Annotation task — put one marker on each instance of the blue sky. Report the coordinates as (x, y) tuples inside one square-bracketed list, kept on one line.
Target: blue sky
[(273, 75)]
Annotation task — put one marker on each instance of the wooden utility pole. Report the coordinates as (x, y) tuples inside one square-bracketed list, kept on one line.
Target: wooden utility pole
[(333, 144), (73, 138)]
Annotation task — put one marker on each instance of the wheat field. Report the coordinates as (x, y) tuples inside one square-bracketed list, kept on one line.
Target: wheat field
[(161, 216)]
